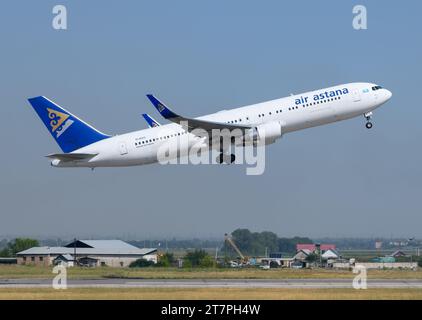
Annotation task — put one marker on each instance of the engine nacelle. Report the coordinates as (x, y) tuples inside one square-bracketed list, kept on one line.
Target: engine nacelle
[(267, 132)]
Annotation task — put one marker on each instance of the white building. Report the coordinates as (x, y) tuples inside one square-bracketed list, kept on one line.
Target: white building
[(113, 253), (66, 260), (330, 254)]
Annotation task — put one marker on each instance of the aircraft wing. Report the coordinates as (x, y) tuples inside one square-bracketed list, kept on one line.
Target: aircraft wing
[(191, 122), (71, 156)]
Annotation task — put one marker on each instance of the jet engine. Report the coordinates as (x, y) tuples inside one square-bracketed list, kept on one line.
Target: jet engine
[(267, 132)]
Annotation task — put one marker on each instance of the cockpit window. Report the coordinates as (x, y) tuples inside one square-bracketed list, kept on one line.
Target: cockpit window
[(376, 88)]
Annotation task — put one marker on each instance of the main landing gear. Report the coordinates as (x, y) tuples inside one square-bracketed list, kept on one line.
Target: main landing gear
[(367, 116), (227, 158)]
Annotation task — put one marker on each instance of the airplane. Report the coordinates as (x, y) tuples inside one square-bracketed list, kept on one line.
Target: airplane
[(266, 122)]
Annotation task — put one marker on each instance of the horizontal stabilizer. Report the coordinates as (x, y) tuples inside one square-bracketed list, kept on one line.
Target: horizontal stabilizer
[(71, 156)]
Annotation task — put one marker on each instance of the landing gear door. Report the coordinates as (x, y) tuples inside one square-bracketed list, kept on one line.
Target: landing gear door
[(122, 148), (356, 95)]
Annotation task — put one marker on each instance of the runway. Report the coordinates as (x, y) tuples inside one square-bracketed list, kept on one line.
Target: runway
[(212, 283)]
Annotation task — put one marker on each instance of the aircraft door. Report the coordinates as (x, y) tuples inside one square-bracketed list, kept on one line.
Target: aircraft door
[(356, 95), (122, 148)]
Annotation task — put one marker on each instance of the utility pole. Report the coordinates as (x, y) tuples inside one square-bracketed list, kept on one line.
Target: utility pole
[(318, 249), (74, 252)]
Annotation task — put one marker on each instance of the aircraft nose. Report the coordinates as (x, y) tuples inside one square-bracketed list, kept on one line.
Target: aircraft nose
[(388, 94)]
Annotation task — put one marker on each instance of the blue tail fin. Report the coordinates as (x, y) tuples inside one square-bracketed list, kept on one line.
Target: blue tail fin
[(69, 131)]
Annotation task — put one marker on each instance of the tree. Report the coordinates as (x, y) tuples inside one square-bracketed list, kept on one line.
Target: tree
[(207, 262), (256, 243), (253, 243), (3, 243), (312, 257), (197, 258), (19, 244), (166, 260), (141, 263), (187, 264), (268, 241), (289, 244), (5, 253), (243, 239)]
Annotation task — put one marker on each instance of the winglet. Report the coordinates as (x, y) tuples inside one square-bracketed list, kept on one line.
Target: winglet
[(151, 122), (162, 109)]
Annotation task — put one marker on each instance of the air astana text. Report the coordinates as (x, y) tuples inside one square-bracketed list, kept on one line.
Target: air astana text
[(322, 95)]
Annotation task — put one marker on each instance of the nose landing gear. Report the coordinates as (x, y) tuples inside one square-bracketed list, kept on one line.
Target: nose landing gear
[(367, 116)]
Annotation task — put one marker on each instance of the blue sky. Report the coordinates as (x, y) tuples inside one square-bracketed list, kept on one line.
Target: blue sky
[(200, 57)]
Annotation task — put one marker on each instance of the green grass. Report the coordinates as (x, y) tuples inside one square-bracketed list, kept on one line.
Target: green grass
[(17, 271)]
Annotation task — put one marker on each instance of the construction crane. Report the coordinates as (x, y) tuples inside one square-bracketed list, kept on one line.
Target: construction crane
[(229, 239)]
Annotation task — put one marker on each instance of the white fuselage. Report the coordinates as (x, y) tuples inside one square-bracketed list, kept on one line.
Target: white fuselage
[(293, 113)]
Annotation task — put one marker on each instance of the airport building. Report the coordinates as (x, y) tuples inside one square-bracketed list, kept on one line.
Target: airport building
[(313, 247), (91, 253)]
